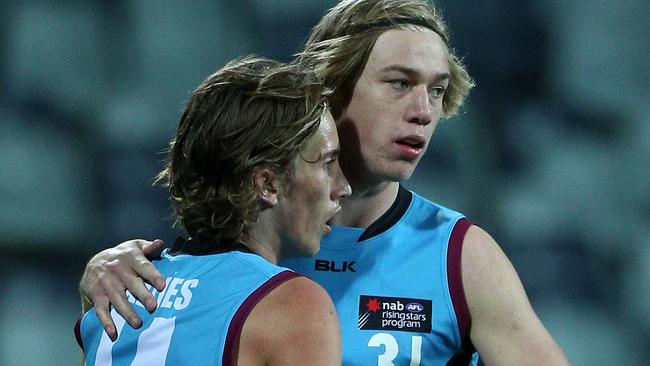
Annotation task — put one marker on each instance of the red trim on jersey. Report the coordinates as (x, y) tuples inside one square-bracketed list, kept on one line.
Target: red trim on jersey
[(77, 332), (455, 278), (237, 322)]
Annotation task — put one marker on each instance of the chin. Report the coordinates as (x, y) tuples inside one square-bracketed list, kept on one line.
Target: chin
[(399, 176), (399, 172), (307, 250), (312, 249), (406, 173)]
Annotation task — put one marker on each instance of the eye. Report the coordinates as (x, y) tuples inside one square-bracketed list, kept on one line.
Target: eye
[(400, 84), (437, 91), (329, 165)]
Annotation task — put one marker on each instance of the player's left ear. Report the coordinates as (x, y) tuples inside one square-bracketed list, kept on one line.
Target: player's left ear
[(266, 189)]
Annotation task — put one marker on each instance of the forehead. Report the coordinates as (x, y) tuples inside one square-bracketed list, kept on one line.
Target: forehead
[(420, 49), (325, 140)]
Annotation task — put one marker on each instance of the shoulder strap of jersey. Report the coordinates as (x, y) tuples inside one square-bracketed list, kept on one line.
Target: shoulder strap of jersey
[(77, 332), (454, 276)]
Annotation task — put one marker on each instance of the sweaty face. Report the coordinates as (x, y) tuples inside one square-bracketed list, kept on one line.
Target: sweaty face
[(313, 193), (387, 123)]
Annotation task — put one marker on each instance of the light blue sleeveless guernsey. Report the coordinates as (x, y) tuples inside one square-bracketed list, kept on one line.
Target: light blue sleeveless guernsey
[(396, 295), (199, 316)]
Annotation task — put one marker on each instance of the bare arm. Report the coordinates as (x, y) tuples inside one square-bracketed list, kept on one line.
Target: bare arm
[(113, 271), (505, 328), (295, 324)]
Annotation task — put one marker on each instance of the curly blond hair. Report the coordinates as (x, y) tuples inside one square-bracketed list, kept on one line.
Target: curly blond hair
[(252, 113)]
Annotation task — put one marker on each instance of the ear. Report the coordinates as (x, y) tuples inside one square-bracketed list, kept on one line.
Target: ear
[(266, 187)]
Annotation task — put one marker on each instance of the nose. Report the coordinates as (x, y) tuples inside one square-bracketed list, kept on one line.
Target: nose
[(419, 107), (340, 187)]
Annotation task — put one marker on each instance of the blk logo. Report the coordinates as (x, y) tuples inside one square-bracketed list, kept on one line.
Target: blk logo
[(332, 266)]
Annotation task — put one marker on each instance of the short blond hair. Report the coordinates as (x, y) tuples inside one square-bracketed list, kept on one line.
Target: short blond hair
[(338, 47)]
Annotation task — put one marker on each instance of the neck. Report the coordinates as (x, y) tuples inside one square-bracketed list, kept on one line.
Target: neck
[(365, 206), (263, 241)]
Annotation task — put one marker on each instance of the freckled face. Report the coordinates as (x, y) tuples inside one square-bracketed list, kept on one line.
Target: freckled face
[(394, 107), (312, 197)]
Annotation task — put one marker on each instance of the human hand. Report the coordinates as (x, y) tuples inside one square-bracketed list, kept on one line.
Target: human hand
[(113, 271)]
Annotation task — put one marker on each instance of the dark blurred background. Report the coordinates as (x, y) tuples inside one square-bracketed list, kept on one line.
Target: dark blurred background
[(550, 154)]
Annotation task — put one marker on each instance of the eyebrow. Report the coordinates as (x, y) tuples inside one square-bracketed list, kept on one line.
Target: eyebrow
[(332, 152), (411, 72)]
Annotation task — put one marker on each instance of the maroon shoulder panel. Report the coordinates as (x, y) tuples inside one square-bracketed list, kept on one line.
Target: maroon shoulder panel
[(77, 332), (454, 276)]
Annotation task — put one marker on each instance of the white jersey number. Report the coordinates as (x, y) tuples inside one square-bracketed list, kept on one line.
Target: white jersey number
[(391, 349), (153, 342)]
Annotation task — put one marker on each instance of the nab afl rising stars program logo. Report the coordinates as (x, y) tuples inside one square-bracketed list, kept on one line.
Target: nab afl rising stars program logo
[(394, 313)]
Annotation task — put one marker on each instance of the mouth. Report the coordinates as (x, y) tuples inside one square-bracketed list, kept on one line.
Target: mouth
[(411, 146), (416, 142), (328, 222)]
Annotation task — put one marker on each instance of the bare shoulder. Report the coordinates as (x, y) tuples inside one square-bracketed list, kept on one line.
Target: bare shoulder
[(301, 290), (505, 328), (482, 256), (295, 323), (299, 298), (490, 281), (489, 278)]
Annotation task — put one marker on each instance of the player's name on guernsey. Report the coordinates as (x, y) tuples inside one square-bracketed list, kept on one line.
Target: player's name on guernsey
[(177, 294)]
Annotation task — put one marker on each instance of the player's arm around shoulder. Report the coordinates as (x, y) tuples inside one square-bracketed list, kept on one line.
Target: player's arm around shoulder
[(295, 324), (505, 329)]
